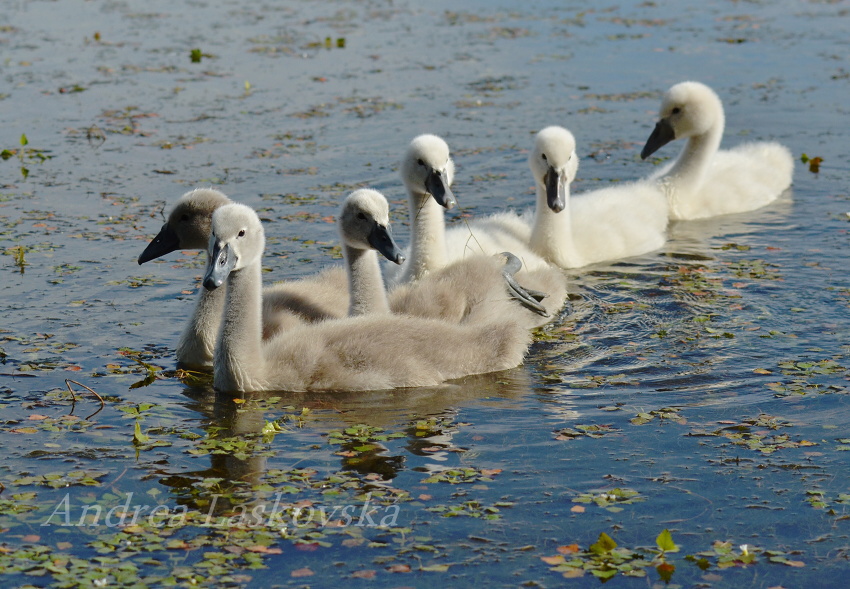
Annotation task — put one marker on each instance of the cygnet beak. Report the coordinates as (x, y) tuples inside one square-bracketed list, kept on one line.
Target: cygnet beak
[(221, 263), (165, 242), (556, 190), (436, 186), (661, 136), (380, 239)]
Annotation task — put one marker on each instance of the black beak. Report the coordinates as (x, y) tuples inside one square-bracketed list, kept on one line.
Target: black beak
[(661, 136), (556, 190), (219, 266), (165, 242), (436, 187), (380, 239)]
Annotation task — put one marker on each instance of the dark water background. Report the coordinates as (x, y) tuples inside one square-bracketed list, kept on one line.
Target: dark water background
[(739, 321)]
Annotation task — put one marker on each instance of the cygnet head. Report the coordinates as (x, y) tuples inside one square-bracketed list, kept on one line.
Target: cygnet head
[(427, 169), (364, 223), (237, 241), (554, 164), (688, 109), (188, 225)]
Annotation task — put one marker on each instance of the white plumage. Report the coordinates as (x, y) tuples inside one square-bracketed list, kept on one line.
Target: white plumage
[(427, 171), (569, 231), (705, 181)]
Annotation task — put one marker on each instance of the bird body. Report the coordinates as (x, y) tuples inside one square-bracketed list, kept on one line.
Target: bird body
[(705, 181)]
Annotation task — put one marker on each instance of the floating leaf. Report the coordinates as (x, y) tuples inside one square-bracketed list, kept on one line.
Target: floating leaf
[(604, 544), (665, 543), (138, 437)]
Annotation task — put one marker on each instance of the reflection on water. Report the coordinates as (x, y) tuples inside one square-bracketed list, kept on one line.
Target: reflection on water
[(421, 422)]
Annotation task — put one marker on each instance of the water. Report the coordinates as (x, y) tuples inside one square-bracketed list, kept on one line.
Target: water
[(714, 371)]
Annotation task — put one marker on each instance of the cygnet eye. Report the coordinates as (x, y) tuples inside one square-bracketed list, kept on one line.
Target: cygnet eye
[(361, 216), (677, 110), (241, 233), (185, 217), (543, 155), (420, 162)]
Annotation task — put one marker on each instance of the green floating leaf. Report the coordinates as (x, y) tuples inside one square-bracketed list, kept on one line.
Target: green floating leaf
[(603, 545), (665, 543), (138, 436)]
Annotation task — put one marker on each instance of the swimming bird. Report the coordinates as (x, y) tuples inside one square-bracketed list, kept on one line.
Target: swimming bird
[(705, 181), (603, 225), (461, 293), (427, 172), (314, 298), (476, 290), (375, 351), (188, 227)]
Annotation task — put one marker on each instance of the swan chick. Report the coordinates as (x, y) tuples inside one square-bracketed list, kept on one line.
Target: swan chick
[(427, 171), (705, 181), (454, 293), (603, 225), (188, 224), (188, 227), (357, 353), (569, 232), (285, 305), (364, 231)]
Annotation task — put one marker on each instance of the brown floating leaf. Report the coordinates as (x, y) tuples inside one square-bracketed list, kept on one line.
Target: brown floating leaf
[(263, 549), (364, 574), (303, 572)]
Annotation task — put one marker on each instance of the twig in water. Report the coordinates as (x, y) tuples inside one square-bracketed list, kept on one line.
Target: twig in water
[(68, 382)]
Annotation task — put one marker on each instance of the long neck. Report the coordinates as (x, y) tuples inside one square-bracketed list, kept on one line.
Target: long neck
[(197, 342), (427, 236), (552, 233), (240, 340), (365, 283), (693, 163)]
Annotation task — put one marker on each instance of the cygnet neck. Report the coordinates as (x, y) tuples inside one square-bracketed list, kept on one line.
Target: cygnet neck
[(552, 233), (365, 284), (240, 351), (427, 236), (197, 342), (694, 161)]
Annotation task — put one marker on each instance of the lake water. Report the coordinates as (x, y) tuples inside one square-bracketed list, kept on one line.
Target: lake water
[(701, 389)]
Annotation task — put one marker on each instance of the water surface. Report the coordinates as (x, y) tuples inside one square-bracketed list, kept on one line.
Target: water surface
[(708, 380)]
